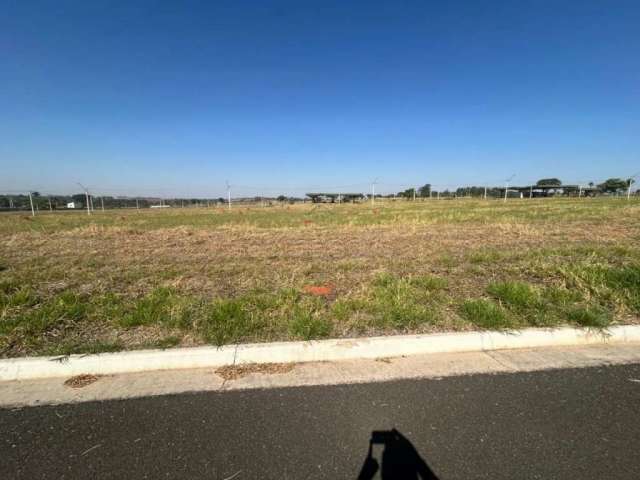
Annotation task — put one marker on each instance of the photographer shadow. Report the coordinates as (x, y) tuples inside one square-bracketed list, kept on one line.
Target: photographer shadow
[(400, 459)]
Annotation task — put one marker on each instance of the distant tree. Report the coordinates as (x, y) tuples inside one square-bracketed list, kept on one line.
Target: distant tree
[(220, 200), (425, 190), (78, 199), (614, 185), (408, 193), (281, 198), (549, 182)]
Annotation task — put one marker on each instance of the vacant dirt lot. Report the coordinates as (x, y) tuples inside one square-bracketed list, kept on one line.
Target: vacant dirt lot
[(73, 283)]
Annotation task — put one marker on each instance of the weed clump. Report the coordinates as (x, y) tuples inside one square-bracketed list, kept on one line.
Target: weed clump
[(226, 321), (589, 317), (515, 294)]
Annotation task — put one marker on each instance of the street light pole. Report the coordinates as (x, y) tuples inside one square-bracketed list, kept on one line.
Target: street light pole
[(506, 188), (373, 191), (33, 212), (86, 196), (631, 181)]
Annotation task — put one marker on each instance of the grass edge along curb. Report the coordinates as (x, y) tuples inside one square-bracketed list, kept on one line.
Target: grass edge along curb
[(319, 350)]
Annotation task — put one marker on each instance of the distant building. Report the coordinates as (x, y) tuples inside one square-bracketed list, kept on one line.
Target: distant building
[(334, 197), (71, 205)]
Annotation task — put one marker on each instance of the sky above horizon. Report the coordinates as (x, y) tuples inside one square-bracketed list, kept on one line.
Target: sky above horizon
[(175, 98)]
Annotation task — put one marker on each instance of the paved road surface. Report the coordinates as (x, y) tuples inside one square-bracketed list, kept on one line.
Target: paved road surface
[(582, 424)]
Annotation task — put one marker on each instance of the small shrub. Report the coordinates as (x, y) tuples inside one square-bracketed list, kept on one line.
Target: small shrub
[(485, 314)]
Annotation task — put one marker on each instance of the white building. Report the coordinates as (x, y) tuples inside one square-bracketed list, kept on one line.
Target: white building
[(71, 205)]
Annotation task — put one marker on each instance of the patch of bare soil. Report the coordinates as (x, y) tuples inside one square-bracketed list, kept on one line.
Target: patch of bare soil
[(81, 381), (232, 372)]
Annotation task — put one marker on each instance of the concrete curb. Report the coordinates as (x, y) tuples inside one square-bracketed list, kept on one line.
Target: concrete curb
[(314, 351)]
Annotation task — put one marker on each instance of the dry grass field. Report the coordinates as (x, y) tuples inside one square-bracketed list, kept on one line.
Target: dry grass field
[(71, 283)]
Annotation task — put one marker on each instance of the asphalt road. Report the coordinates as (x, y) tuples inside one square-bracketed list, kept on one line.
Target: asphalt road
[(578, 424)]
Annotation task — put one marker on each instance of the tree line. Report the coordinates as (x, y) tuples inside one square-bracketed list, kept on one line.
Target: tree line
[(549, 186)]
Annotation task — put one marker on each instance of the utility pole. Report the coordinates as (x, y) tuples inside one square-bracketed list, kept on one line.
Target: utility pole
[(228, 195), (50, 207), (414, 194), (506, 188), (86, 196), (485, 192), (33, 212), (530, 192), (373, 191), (630, 181), (137, 205), (579, 191), (102, 203)]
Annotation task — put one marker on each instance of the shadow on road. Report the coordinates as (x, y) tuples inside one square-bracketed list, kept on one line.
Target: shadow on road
[(400, 459)]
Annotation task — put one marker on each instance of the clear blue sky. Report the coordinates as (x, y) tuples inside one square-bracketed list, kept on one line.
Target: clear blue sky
[(177, 97)]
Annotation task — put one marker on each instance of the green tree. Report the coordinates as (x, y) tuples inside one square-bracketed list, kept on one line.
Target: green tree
[(425, 190), (549, 182), (614, 185), (408, 193)]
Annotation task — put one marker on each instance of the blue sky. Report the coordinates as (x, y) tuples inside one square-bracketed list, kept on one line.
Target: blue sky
[(177, 97)]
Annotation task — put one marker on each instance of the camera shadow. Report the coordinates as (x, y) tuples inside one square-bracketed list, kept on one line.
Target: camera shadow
[(400, 460)]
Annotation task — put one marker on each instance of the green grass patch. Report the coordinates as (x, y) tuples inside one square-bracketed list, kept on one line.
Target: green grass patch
[(519, 295), (485, 314), (403, 303), (485, 256), (226, 321), (589, 317), (161, 306), (615, 286), (308, 325), (83, 346)]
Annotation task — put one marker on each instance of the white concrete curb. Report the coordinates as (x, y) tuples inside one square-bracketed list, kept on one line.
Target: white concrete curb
[(322, 350)]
